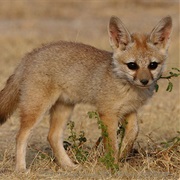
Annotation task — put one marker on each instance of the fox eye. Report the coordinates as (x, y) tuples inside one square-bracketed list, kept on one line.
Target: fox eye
[(132, 66), (153, 65)]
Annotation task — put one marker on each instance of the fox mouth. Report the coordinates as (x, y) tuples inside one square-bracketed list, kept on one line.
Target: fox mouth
[(143, 86)]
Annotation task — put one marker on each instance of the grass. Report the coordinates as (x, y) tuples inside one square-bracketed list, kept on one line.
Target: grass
[(153, 161), (25, 25)]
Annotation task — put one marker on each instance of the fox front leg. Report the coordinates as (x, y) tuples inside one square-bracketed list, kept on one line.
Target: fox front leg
[(109, 134), (130, 135)]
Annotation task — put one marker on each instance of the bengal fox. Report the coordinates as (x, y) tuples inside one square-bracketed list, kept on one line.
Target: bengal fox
[(57, 76)]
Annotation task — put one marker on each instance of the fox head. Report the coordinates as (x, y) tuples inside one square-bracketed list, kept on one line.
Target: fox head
[(139, 58)]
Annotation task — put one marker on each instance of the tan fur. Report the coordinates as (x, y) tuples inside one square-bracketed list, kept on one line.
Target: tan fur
[(140, 41), (59, 75)]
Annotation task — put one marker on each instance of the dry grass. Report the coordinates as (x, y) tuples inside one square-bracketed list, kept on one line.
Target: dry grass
[(27, 24)]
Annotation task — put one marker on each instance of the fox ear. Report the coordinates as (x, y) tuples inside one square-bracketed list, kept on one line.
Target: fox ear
[(160, 35), (119, 36)]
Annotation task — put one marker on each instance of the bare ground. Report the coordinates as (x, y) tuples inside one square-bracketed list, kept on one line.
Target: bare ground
[(25, 25)]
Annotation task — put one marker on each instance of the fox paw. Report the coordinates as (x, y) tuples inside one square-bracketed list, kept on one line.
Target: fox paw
[(22, 170), (67, 165)]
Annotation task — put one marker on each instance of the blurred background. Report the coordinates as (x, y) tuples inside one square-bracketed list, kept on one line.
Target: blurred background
[(26, 24)]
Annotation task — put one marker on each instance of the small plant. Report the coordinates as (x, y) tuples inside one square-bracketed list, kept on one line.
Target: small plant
[(76, 142), (108, 159), (174, 73)]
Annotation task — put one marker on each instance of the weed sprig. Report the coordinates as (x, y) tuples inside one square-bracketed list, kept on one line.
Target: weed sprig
[(174, 73), (76, 142)]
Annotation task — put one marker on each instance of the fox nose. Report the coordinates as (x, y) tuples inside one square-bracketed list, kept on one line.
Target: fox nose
[(144, 81)]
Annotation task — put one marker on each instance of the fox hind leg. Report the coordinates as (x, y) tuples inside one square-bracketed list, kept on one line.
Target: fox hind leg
[(27, 124), (32, 110), (60, 114)]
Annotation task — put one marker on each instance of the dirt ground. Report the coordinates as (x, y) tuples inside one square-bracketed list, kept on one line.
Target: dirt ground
[(25, 25)]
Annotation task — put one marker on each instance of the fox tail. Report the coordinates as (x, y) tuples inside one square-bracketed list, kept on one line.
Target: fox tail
[(9, 97)]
